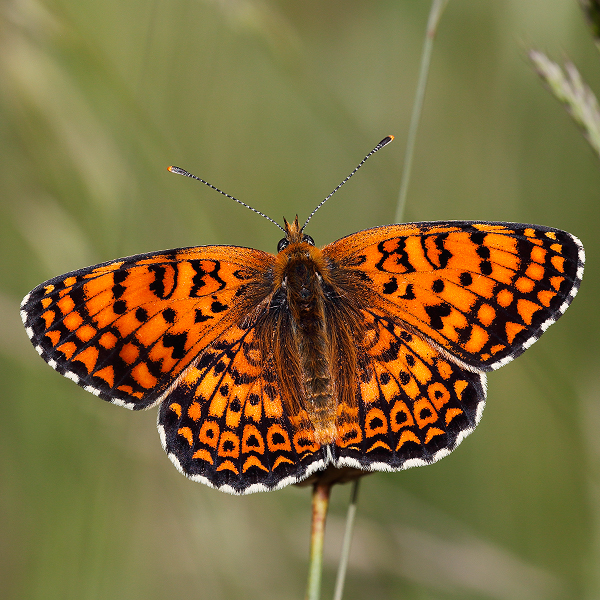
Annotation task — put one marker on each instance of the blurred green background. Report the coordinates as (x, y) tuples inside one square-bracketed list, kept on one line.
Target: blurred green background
[(275, 101)]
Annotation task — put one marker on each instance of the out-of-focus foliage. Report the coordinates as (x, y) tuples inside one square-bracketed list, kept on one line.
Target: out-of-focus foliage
[(275, 102), (591, 9), (569, 88)]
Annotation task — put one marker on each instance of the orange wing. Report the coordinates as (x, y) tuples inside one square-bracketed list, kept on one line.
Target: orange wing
[(225, 423), (440, 303), (483, 292), (414, 404), (125, 330)]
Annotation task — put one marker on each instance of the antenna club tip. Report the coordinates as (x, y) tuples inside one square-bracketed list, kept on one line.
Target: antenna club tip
[(385, 141), (178, 171)]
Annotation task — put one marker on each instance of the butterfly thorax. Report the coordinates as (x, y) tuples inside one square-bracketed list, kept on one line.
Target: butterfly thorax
[(304, 342)]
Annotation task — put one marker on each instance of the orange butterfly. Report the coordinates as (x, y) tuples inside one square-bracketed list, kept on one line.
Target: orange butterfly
[(369, 353)]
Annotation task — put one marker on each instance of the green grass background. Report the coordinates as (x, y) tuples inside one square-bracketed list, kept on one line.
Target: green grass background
[(275, 101)]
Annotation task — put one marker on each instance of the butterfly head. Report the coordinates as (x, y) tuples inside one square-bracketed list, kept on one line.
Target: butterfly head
[(297, 256), (293, 235)]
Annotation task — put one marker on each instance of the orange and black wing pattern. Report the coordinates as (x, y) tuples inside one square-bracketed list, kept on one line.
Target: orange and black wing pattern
[(442, 303), (483, 292), (414, 404), (226, 424), (415, 315), (127, 329)]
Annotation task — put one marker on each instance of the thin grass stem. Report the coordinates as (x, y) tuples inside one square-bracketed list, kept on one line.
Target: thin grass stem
[(435, 13), (341, 574)]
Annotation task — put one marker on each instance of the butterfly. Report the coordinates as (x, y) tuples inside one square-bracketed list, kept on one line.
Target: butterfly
[(367, 354)]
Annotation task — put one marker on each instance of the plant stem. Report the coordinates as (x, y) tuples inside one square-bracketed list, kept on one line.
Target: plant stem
[(320, 503), (341, 574), (435, 13)]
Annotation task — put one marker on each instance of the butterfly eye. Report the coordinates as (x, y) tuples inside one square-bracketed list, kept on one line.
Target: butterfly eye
[(283, 244), (308, 240)]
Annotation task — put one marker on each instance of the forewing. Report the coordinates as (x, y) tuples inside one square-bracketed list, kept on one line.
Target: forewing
[(125, 330), (484, 292), (225, 423)]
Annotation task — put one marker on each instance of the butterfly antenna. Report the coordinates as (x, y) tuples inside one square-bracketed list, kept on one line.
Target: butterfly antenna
[(384, 142), (181, 171)]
